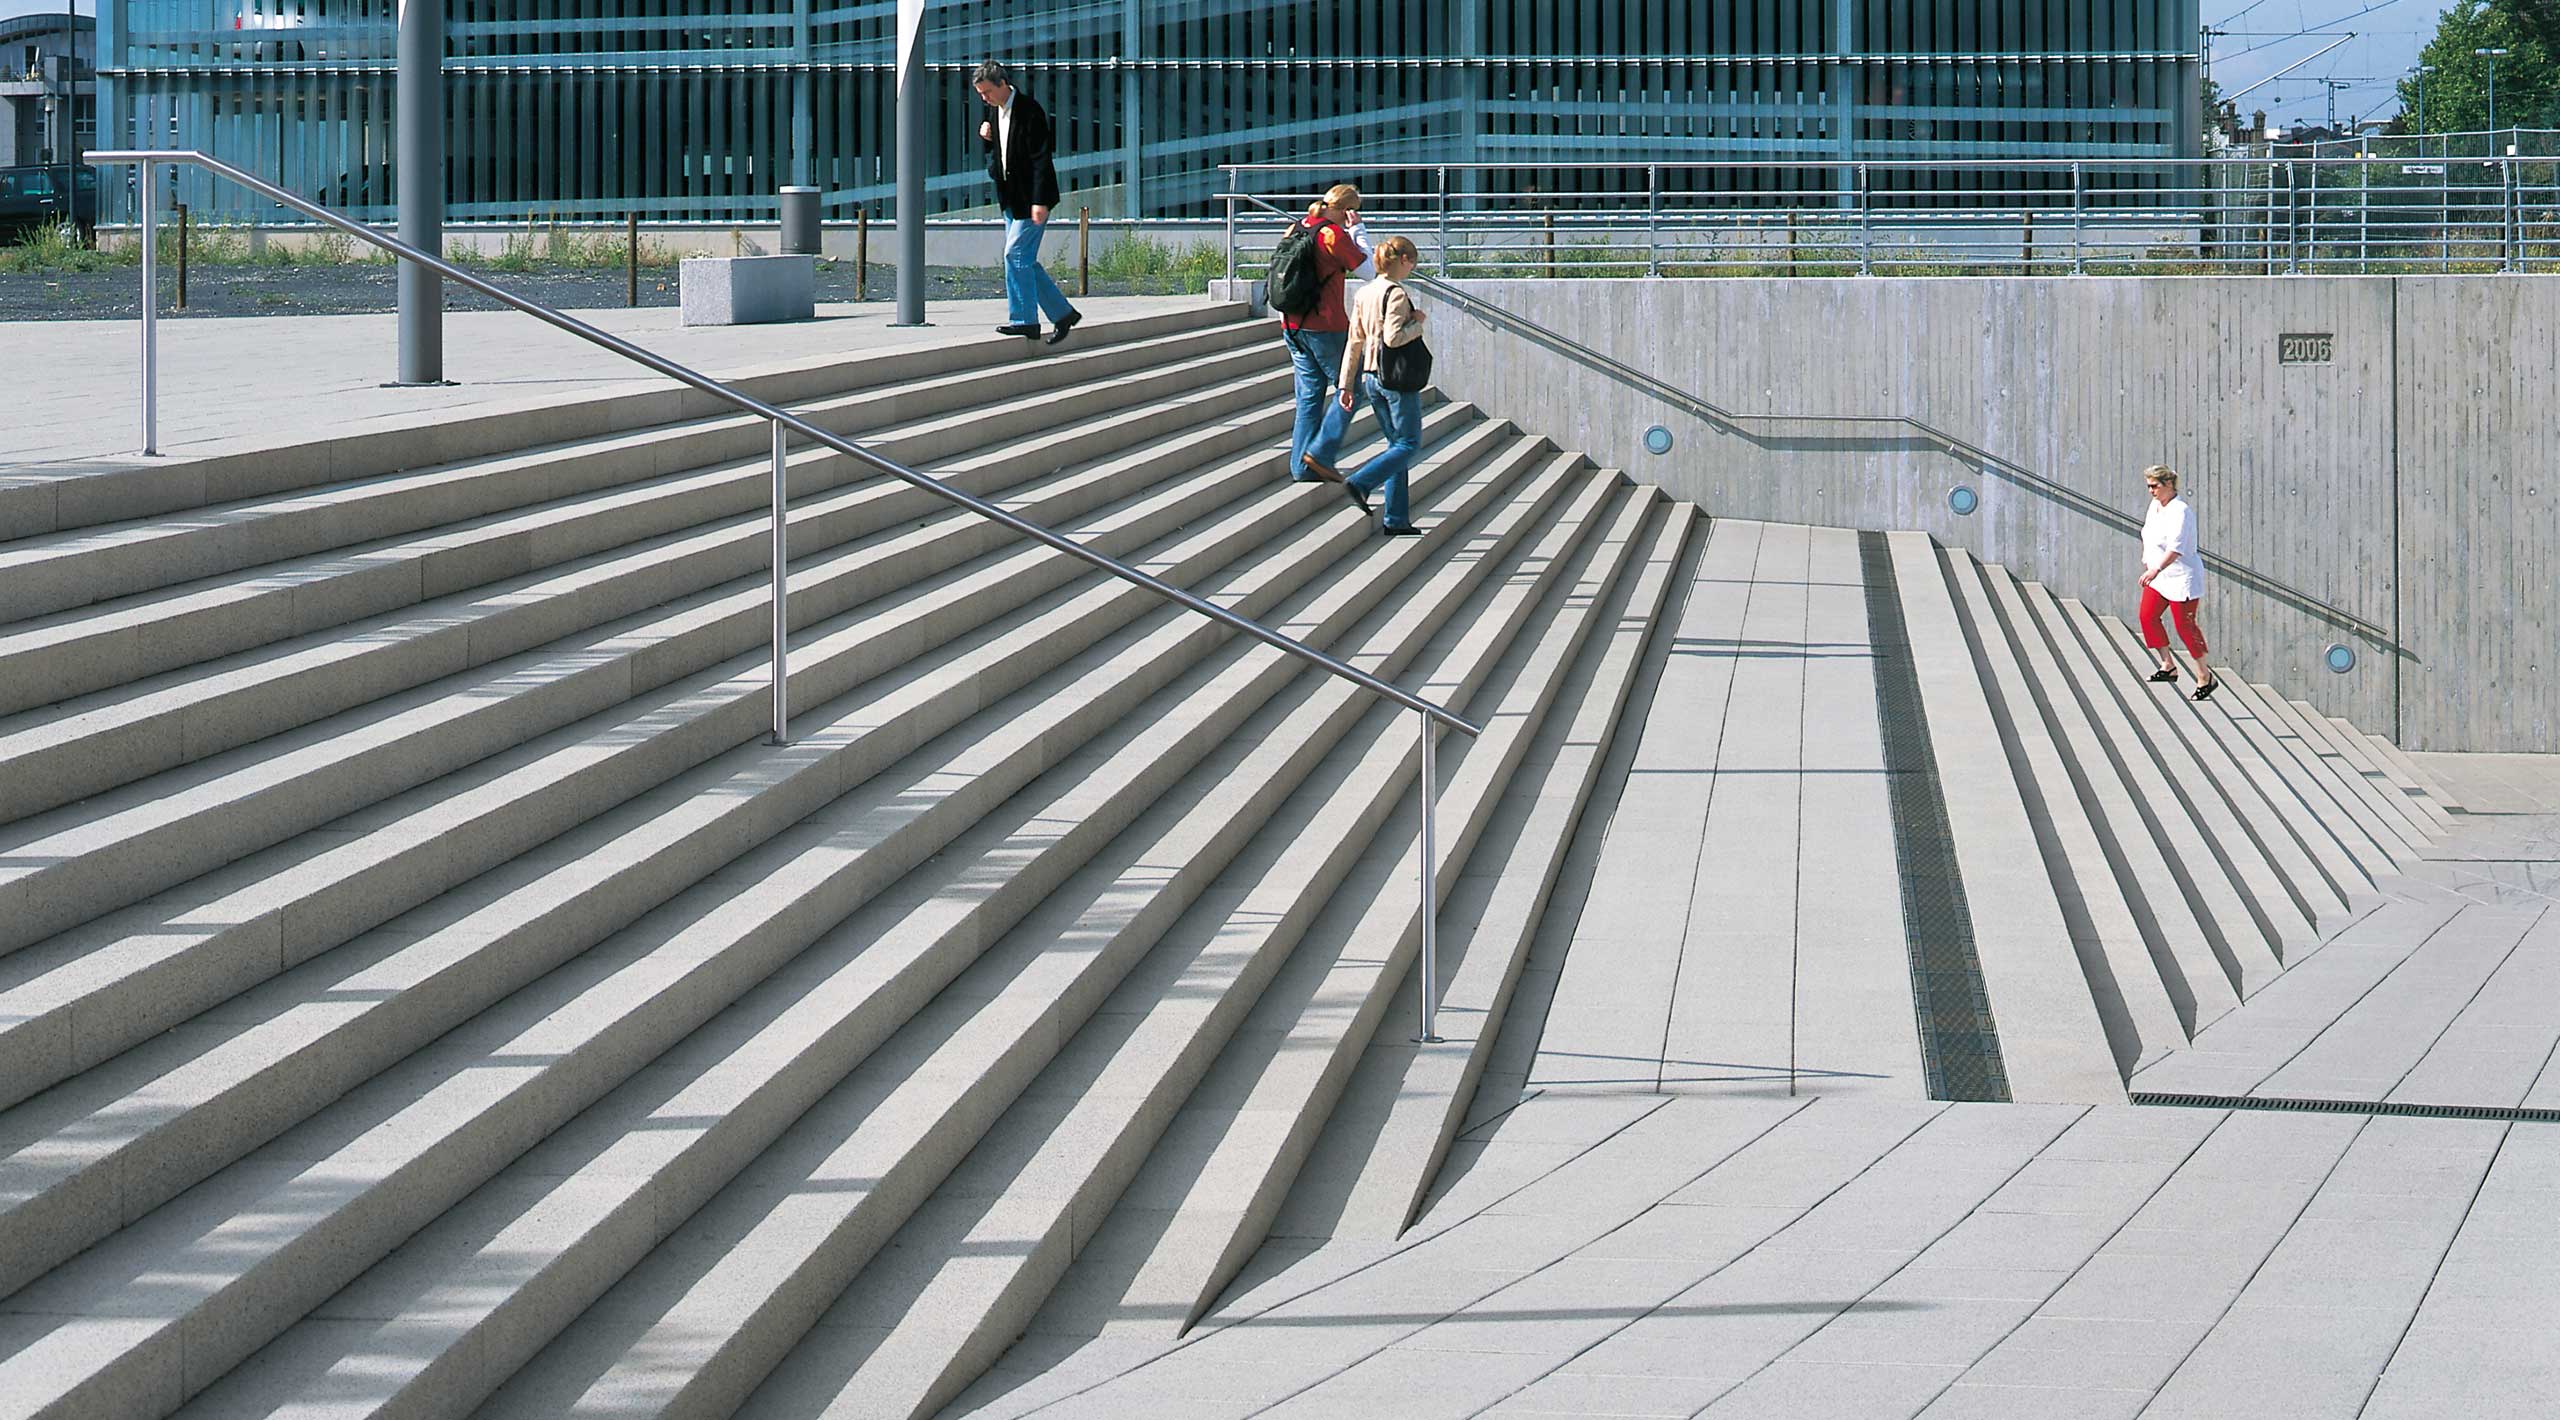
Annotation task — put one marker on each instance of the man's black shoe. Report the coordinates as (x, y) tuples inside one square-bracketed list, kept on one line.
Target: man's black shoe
[(1408, 530), (1067, 322), (1017, 330), (1358, 499)]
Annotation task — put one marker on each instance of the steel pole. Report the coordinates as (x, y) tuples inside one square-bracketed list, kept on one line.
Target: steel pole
[(781, 586), (911, 162), (420, 187), (1231, 224), (148, 186), (1430, 892)]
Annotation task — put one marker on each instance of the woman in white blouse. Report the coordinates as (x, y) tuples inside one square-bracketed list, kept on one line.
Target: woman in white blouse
[(2172, 579)]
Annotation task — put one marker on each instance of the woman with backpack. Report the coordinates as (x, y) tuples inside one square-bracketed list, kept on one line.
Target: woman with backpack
[(1384, 357), (1306, 288)]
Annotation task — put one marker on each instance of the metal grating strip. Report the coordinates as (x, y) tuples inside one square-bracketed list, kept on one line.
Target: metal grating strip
[(1959, 1042), (2514, 1114)]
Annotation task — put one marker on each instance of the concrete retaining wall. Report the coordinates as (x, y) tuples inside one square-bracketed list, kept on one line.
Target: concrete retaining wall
[(2402, 499)]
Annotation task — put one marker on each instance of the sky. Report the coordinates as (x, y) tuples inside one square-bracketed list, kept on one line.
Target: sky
[(2387, 43)]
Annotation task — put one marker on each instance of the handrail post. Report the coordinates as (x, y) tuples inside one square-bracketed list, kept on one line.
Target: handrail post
[(2514, 200), (1430, 892), (1652, 217), (2080, 218), (148, 188), (781, 586), (1440, 264), (1231, 223), (1866, 224)]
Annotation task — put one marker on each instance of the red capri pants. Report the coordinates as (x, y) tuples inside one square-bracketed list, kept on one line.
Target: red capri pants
[(2184, 613)]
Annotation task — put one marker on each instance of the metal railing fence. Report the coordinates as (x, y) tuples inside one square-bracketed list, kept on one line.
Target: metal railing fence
[(2350, 215)]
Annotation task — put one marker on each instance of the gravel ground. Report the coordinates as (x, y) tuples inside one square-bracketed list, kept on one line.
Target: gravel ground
[(358, 289)]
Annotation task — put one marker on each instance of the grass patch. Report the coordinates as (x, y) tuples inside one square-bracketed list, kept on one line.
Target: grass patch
[(60, 249), (1151, 264)]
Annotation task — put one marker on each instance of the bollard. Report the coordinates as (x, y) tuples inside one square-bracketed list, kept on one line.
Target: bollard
[(631, 259), (799, 221), (862, 253), (1084, 251), (182, 256)]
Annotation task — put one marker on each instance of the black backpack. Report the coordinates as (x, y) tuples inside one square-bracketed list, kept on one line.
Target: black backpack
[(1297, 274)]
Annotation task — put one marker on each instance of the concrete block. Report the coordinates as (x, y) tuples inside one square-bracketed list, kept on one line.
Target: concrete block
[(748, 290), (1254, 293)]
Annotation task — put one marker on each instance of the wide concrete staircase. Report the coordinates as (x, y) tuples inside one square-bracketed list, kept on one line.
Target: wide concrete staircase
[(2195, 850), (425, 992)]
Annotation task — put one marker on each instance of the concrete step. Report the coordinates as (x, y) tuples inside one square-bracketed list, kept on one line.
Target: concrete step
[(1384, 1140), (92, 743), (75, 1000), (450, 836), (2093, 879), (2051, 1040), (2086, 728), (55, 572), (2351, 766), (79, 861), (2272, 926), (2353, 817), (2417, 774), (2396, 769), (480, 1291), (2310, 780), (36, 503), (2238, 952), (694, 1335), (1209, 1194), (331, 1028), (2311, 864)]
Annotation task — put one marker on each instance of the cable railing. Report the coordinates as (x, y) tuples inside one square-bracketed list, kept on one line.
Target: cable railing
[(2326, 215), (785, 424)]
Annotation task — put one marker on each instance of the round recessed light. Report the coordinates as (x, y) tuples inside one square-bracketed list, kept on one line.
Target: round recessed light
[(1964, 500), (1657, 440), (2339, 657)]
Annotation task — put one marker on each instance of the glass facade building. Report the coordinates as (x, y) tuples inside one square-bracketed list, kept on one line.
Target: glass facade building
[(688, 110)]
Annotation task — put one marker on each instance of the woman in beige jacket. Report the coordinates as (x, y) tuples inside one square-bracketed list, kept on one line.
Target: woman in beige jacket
[(1382, 316)]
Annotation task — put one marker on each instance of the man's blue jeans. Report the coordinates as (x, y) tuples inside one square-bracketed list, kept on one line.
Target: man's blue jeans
[(1400, 419), (1316, 355), (1029, 290)]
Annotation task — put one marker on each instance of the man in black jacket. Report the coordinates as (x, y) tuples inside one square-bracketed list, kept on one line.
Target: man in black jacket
[(1020, 157)]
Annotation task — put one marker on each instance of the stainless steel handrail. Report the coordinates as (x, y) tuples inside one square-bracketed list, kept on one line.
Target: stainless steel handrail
[(784, 424)]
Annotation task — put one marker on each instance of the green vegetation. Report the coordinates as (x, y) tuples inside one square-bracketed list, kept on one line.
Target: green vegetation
[(2456, 95), (58, 249), (1148, 264)]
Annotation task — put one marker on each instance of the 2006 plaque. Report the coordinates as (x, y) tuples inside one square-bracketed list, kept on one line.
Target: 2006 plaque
[(2306, 349)]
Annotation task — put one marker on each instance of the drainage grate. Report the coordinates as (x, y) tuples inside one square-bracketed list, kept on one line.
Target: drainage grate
[(1959, 1042), (2512, 1114)]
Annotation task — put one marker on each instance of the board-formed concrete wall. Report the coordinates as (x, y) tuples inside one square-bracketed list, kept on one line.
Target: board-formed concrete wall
[(2402, 498)]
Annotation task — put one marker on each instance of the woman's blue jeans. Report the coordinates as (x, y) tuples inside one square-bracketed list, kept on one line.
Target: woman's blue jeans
[(1400, 418)]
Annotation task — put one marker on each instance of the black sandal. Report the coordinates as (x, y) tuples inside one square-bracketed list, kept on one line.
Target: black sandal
[(2206, 690), (2161, 677)]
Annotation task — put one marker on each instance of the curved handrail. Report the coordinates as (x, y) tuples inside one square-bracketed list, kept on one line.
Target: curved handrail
[(750, 404)]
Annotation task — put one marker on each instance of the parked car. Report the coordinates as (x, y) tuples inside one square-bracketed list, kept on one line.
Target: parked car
[(32, 197)]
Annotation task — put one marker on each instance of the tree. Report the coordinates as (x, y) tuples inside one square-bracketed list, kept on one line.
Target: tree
[(2457, 93)]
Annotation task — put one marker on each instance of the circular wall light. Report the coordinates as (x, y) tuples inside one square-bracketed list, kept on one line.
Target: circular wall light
[(1964, 500), (1657, 440), (2340, 658)]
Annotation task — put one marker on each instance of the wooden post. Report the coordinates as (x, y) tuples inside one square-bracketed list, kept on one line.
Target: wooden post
[(1791, 241), (862, 253), (631, 259), (1084, 251), (2027, 249), (182, 256)]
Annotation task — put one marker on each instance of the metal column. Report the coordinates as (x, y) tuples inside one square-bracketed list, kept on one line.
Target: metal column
[(1132, 135), (148, 190), (1430, 987), (781, 584), (420, 187), (912, 148)]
